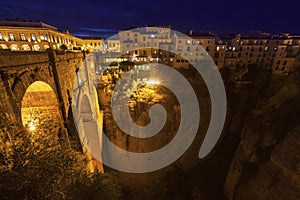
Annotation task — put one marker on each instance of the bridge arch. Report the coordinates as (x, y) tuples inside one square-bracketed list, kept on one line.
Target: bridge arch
[(40, 107), (91, 137)]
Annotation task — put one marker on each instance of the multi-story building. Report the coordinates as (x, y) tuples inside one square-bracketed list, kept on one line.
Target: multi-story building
[(278, 53), (143, 44), (37, 36)]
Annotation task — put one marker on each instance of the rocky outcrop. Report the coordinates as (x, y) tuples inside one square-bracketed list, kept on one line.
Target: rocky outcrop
[(266, 164)]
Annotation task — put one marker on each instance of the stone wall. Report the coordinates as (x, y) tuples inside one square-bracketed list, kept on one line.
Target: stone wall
[(19, 70)]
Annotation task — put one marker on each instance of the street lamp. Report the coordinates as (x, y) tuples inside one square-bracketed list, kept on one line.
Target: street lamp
[(153, 82)]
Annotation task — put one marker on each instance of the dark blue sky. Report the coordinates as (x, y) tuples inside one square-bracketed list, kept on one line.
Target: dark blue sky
[(214, 15)]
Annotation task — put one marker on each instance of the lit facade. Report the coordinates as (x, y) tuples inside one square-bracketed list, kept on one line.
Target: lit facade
[(38, 36), (277, 53)]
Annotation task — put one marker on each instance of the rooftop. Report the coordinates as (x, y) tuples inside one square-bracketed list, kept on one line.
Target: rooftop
[(23, 23)]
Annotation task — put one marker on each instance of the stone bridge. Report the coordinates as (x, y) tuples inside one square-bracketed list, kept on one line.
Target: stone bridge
[(38, 87)]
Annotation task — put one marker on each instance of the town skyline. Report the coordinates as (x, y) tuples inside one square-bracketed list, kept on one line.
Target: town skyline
[(104, 33), (216, 16)]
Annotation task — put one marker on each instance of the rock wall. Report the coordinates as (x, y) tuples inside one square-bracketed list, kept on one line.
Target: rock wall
[(266, 163)]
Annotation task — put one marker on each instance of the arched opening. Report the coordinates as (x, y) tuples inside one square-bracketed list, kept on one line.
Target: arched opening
[(25, 47), (91, 136), (14, 47), (40, 107), (36, 47), (3, 46)]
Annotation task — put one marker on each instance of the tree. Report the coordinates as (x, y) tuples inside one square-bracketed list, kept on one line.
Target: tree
[(34, 165)]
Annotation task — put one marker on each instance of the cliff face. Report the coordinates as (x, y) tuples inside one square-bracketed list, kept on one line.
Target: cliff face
[(266, 164), (256, 157)]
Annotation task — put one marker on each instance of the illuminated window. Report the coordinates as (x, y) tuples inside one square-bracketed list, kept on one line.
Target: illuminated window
[(11, 36), (22, 36), (44, 37), (33, 37), (1, 38)]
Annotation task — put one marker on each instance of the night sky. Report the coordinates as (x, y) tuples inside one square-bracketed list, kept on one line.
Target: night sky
[(99, 17)]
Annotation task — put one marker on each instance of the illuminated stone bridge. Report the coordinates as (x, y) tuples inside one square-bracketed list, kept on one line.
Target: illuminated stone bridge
[(37, 87)]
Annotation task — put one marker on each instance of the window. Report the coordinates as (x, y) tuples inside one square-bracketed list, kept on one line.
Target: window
[(22, 36), (44, 37), (1, 38), (33, 37), (11, 36)]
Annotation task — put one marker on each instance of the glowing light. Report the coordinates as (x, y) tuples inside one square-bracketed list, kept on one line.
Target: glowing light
[(153, 82), (31, 126)]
